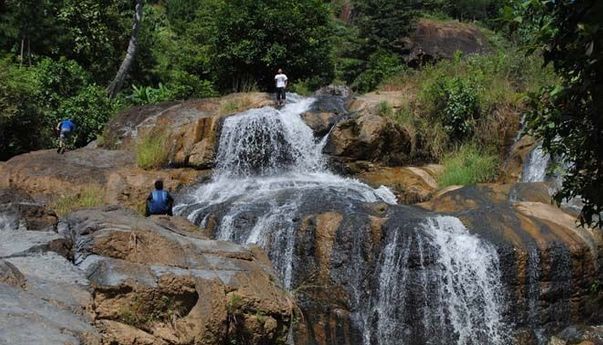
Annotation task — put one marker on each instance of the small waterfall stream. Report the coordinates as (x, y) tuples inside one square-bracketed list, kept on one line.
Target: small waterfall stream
[(270, 166), (535, 167)]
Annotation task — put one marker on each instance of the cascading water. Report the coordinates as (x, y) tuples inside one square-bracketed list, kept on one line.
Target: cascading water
[(270, 167), (267, 159), (438, 285), (536, 165)]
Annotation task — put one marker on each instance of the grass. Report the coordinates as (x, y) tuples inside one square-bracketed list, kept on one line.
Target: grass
[(90, 196), (468, 165), (151, 150), (234, 105)]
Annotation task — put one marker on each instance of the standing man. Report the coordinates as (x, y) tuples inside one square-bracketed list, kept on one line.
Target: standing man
[(281, 84), (64, 129)]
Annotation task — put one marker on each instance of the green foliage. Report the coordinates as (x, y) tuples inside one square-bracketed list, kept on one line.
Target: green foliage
[(59, 80), (384, 23), (568, 116), (18, 114), (152, 150), (89, 196), (456, 105), (468, 165), (484, 10), (150, 95), (380, 65), (251, 39), (90, 109), (384, 109), (183, 85)]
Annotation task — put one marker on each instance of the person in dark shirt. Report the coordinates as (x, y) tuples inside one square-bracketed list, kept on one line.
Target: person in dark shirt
[(159, 201)]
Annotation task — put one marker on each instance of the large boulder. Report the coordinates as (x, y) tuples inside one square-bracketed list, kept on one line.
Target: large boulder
[(191, 127), (434, 40), (409, 184), (371, 138), (162, 279), (112, 174)]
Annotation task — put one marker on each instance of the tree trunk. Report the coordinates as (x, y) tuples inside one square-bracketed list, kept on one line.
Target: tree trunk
[(117, 83)]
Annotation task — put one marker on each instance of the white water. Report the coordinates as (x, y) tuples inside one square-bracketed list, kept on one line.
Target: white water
[(270, 158), (269, 164), (6, 223), (460, 293), (535, 167)]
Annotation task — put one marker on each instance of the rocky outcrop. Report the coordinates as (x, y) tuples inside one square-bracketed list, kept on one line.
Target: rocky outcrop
[(409, 184), (579, 335), (124, 279), (434, 40), (191, 128), (370, 138), (48, 176)]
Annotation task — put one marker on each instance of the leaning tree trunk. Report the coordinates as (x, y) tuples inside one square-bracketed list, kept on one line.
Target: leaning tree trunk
[(117, 83)]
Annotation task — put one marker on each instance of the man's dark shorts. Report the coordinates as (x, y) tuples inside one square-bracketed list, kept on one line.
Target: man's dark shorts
[(64, 135), (280, 93)]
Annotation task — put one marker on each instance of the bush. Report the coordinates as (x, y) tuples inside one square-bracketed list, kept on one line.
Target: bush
[(184, 85), (380, 66), (455, 103), (90, 109), (150, 95), (468, 165), (19, 115), (152, 150)]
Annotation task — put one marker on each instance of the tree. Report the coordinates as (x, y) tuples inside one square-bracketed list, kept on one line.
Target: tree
[(569, 117), (252, 38), (120, 77), (385, 23)]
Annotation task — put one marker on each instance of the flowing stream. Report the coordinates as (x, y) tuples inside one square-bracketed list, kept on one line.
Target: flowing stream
[(270, 167)]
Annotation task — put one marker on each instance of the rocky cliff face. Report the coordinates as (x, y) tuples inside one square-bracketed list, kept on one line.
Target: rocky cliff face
[(110, 276)]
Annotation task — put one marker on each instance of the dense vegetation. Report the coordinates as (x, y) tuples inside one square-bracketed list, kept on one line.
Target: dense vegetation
[(57, 58)]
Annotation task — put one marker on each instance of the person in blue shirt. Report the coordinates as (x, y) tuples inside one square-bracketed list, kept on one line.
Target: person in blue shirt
[(65, 129), (159, 201)]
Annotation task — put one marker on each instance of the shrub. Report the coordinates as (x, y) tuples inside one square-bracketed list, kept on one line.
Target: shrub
[(90, 196), (184, 85), (90, 109), (385, 109), (455, 103), (150, 95), (380, 66), (152, 150), (468, 165)]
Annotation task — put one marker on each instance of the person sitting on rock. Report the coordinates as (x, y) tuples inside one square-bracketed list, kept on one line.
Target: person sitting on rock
[(281, 84), (159, 201)]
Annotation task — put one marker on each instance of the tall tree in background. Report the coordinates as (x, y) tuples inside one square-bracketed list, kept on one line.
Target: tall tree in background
[(569, 117), (120, 77)]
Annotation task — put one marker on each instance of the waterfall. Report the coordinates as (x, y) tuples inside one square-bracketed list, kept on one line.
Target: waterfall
[(537, 162), (440, 285), (437, 283), (6, 222), (267, 160)]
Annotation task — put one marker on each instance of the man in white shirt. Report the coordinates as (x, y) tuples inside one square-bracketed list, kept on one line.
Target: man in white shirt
[(281, 84)]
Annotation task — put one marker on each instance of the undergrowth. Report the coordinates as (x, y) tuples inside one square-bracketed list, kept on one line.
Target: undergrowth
[(89, 196), (468, 165), (152, 150)]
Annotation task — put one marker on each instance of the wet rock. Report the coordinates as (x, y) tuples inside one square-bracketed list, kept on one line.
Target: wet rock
[(549, 262), (321, 122), (435, 40), (517, 158), (371, 138), (579, 335), (409, 184)]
